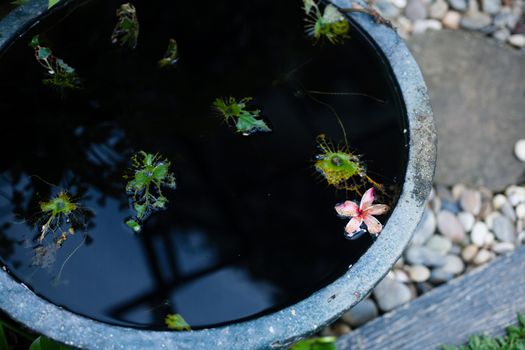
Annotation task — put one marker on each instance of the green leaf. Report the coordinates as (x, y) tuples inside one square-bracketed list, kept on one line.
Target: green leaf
[(322, 343), (43, 53), (177, 323), (3, 339), (52, 3), (134, 225), (19, 2), (43, 343), (35, 42), (140, 209)]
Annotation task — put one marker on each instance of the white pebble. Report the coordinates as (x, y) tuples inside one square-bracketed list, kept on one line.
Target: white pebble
[(467, 220), (498, 201), (479, 234), (419, 273), (515, 194), (519, 149), (401, 276), (489, 239), (503, 247), (520, 211), (482, 257), (517, 40), (422, 25), (457, 190), (399, 3), (469, 252)]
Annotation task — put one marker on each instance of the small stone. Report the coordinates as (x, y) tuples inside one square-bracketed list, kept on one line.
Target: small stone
[(479, 234), (519, 147), (399, 3), (489, 239), (453, 265), (340, 329), (503, 229), (467, 220), (439, 244), (439, 275), (482, 257), (437, 11), (361, 313), (459, 5), (457, 190), (515, 194), (501, 34), (387, 9), (435, 203), (401, 276), (521, 237), (399, 263), (415, 10), (508, 211), (391, 294), (471, 201), (416, 255), (425, 229), (456, 249), (451, 20), (449, 225), (498, 201), (518, 40), (327, 332), (469, 252), (489, 220), (520, 211), (491, 6), (422, 25), (486, 209), (503, 247), (404, 28), (419, 273), (475, 20)]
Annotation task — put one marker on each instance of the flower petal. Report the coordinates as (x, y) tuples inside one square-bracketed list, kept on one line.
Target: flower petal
[(348, 208), (353, 225), (377, 209), (367, 199), (373, 225)]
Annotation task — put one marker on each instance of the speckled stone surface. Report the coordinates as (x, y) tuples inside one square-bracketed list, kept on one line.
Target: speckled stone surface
[(282, 328)]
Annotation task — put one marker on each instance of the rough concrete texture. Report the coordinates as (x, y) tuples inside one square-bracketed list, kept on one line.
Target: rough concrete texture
[(477, 91)]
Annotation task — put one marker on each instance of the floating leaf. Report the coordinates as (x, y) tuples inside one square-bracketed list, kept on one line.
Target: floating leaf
[(246, 121), (177, 323), (126, 30), (171, 55)]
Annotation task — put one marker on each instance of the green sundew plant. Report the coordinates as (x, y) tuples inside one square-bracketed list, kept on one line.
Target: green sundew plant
[(246, 121), (341, 168), (150, 173), (171, 56), (329, 24), (322, 343), (126, 31), (177, 322), (60, 74), (58, 211), (514, 340)]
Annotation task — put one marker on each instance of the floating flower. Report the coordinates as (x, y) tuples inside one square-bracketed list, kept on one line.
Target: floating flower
[(363, 213)]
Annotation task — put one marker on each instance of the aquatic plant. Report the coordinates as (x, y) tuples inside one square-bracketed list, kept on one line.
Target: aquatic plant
[(171, 56), (245, 120), (57, 210), (328, 24), (126, 31), (149, 173), (19, 2), (60, 74), (52, 3), (177, 323), (341, 168), (364, 213)]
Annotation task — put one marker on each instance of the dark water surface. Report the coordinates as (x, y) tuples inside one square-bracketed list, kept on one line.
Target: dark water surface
[(251, 227)]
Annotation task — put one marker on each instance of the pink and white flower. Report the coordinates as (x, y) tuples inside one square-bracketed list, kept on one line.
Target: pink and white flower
[(363, 213)]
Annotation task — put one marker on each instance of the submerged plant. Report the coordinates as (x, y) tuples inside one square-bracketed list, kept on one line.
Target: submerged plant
[(60, 74), (171, 56), (320, 343), (177, 323), (341, 168), (329, 24), (246, 121), (364, 213), (150, 173), (126, 31)]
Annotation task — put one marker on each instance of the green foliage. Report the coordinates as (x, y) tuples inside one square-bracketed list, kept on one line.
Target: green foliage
[(57, 210), (245, 121), (126, 31), (3, 339), (322, 343), (18, 3), (148, 175), (514, 340), (52, 3), (171, 56), (177, 323), (60, 74), (329, 24), (43, 343)]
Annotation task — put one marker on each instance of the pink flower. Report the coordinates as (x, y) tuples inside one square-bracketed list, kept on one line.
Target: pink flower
[(362, 213)]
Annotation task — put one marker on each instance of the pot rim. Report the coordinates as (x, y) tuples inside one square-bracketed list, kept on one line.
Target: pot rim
[(282, 328)]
